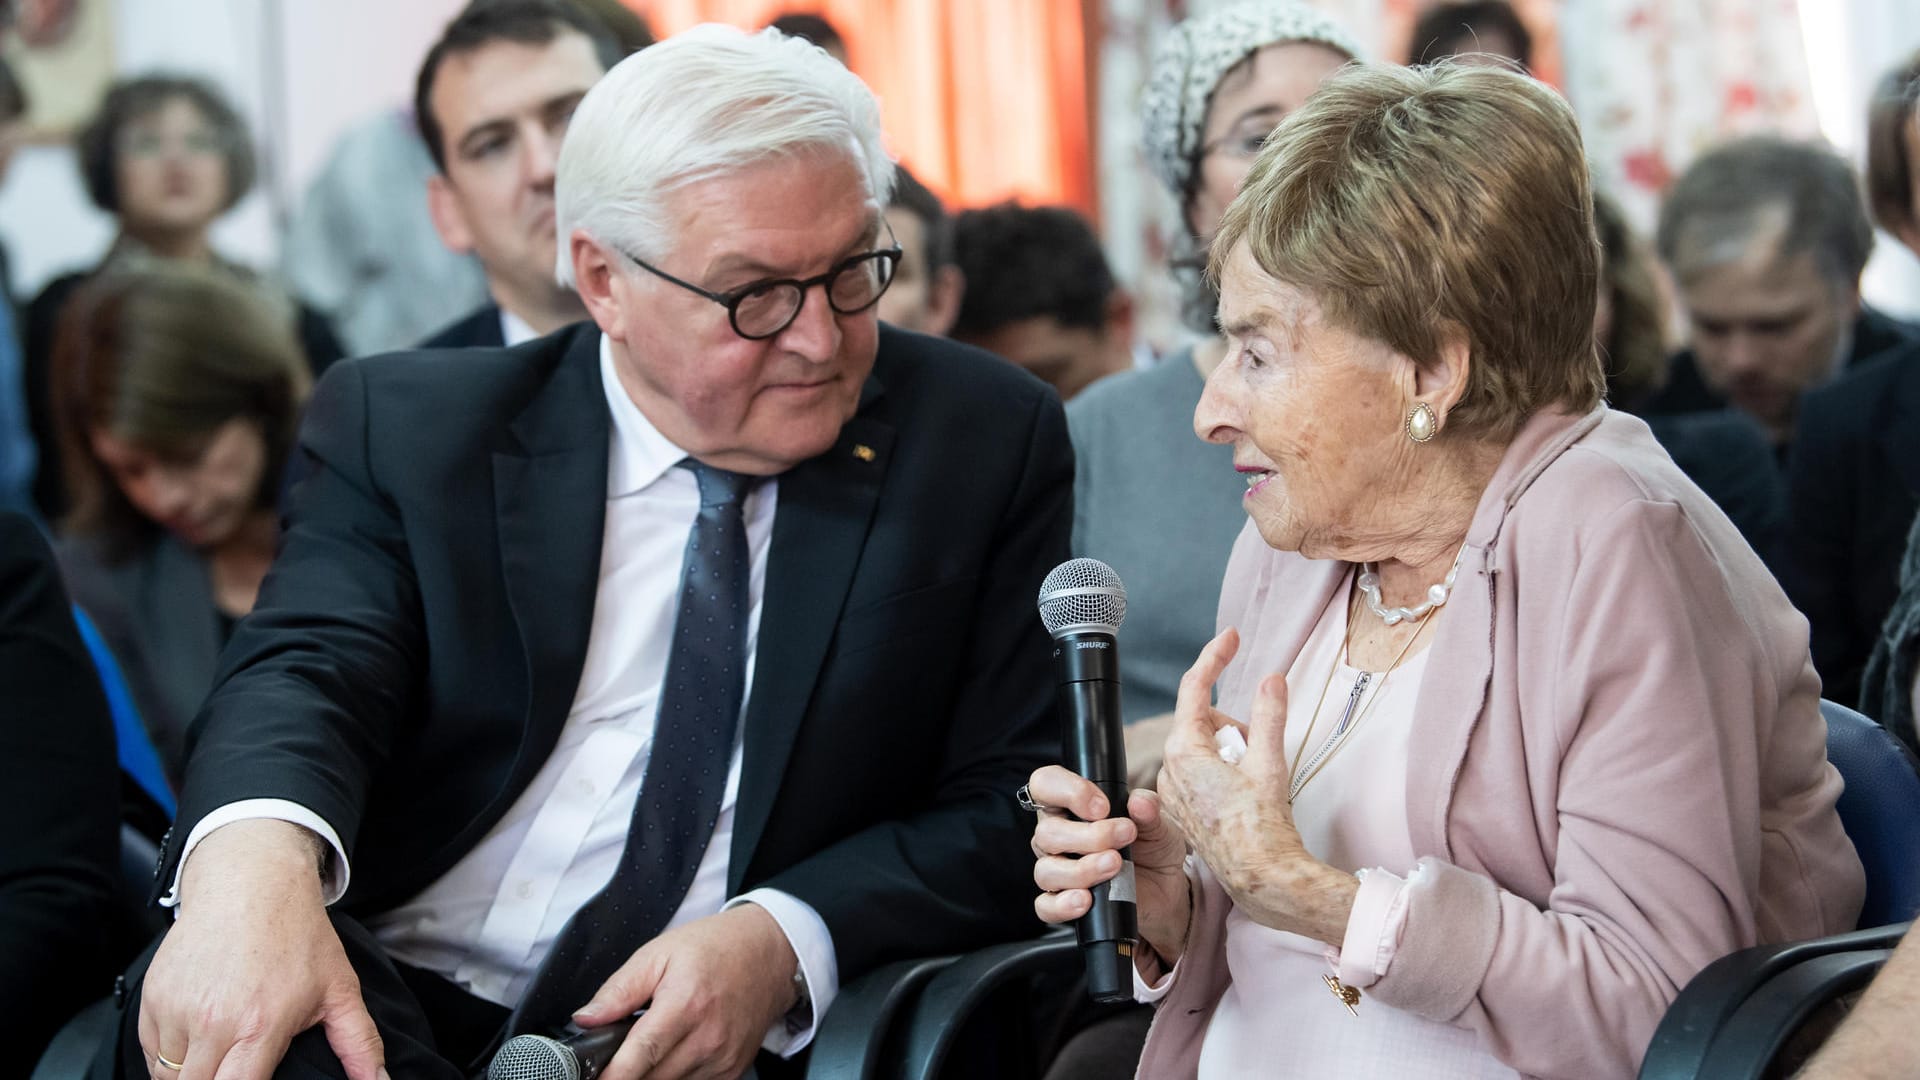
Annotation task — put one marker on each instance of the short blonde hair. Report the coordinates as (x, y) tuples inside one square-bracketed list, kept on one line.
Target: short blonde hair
[(1406, 199)]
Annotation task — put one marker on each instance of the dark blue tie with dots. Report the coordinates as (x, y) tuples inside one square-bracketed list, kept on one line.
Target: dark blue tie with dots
[(679, 803)]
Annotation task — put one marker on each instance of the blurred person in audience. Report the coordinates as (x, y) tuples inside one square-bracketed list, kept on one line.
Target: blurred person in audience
[(494, 97), (1855, 485), (1157, 504), (1039, 293), (1531, 735), (484, 757), (59, 804), (363, 246), (166, 156), (18, 455), (926, 290), (812, 27), (1723, 450), (1478, 31), (1766, 238), (177, 397)]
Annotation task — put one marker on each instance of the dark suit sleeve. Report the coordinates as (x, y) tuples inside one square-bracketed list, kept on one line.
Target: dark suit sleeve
[(958, 873), (1825, 471), (59, 802), (313, 685)]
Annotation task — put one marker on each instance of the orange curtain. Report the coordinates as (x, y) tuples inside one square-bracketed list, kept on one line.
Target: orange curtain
[(983, 99)]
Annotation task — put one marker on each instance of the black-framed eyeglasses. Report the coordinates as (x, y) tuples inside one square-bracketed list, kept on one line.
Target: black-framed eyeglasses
[(759, 310)]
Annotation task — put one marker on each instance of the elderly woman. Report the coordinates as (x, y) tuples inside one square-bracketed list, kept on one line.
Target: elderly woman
[(166, 156), (176, 429), (1532, 734), (1159, 506)]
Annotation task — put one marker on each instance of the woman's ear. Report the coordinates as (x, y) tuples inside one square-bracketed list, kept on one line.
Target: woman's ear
[(1442, 382)]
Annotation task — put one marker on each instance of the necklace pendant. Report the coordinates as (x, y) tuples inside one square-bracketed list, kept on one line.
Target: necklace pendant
[(1349, 996)]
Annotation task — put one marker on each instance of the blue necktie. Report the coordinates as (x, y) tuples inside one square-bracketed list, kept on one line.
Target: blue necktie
[(679, 801)]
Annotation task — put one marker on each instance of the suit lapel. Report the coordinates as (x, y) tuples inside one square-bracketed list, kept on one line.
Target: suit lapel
[(1895, 429), (550, 495), (819, 530)]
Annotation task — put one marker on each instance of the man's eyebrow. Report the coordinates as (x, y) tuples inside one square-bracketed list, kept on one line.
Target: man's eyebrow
[(731, 264)]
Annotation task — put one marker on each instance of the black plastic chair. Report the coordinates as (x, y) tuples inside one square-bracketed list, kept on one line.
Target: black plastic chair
[(941, 1012), (1734, 1018), (858, 1039), (136, 923)]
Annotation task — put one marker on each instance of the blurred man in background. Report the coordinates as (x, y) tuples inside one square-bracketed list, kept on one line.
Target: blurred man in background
[(494, 97), (926, 290), (1766, 238), (1039, 293)]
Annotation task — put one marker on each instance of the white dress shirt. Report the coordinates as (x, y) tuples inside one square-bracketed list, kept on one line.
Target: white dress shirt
[(487, 923), (514, 330)]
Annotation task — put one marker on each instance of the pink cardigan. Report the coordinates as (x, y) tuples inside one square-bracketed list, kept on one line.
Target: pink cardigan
[(1624, 775)]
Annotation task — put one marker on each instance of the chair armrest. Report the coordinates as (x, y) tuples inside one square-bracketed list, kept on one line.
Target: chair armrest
[(73, 1050), (942, 1009), (852, 1040), (1754, 1036), (1682, 1042)]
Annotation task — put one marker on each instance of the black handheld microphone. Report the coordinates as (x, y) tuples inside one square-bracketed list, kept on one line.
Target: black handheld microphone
[(1082, 604), (576, 1057)]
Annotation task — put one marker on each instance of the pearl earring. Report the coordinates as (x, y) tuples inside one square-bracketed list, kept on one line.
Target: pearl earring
[(1422, 425)]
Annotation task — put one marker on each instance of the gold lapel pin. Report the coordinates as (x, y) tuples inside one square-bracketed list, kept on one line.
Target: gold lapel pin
[(864, 452)]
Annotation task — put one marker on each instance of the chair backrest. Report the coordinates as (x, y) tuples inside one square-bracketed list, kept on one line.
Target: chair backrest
[(138, 758), (1880, 810)]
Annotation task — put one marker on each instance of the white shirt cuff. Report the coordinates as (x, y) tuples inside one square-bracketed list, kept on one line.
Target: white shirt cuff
[(332, 887), (812, 943), (1373, 929)]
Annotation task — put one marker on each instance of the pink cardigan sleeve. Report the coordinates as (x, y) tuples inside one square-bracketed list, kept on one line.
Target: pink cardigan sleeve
[(1670, 754)]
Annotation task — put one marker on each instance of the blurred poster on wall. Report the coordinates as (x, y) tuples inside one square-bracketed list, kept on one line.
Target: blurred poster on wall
[(62, 52)]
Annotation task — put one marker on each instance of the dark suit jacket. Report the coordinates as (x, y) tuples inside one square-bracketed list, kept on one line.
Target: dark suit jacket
[(156, 612), (1854, 490), (1687, 390), (42, 324), (59, 804), (416, 647), (478, 330)]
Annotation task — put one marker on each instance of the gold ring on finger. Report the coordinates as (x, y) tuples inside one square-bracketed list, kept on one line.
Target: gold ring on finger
[(164, 1062)]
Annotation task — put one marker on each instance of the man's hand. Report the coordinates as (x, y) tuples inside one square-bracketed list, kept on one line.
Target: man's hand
[(252, 962), (711, 989)]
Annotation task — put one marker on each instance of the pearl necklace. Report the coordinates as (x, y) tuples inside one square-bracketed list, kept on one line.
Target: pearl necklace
[(1436, 595)]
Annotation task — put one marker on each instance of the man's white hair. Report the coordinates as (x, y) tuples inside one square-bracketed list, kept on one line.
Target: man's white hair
[(701, 104)]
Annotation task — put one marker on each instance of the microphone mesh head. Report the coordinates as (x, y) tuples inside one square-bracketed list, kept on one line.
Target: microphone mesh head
[(533, 1057), (1082, 594)]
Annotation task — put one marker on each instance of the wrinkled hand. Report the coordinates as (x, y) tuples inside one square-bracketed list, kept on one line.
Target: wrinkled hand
[(252, 962), (1238, 817), (711, 988), (1072, 856), (1146, 742)]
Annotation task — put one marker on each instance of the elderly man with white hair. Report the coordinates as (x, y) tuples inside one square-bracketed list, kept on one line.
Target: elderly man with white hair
[(679, 661)]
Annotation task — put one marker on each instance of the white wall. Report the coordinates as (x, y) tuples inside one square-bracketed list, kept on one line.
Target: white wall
[(1850, 43), (301, 71)]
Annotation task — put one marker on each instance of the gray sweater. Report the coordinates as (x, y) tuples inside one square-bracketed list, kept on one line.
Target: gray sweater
[(1162, 508)]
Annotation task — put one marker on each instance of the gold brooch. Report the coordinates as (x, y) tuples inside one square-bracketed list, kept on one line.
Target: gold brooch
[(1349, 996), (864, 452)]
